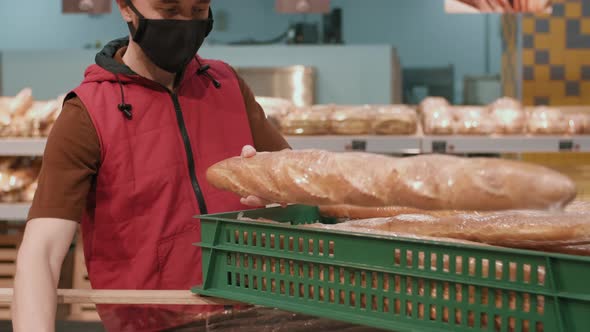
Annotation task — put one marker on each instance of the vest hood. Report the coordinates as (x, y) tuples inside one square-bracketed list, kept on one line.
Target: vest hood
[(108, 69)]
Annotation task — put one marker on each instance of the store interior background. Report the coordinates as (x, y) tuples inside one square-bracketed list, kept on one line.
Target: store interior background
[(542, 61), (420, 30)]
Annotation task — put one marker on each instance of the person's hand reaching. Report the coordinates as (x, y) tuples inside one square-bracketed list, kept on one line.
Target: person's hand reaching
[(249, 151)]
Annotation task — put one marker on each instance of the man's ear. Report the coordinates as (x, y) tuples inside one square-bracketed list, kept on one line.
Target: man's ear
[(126, 12)]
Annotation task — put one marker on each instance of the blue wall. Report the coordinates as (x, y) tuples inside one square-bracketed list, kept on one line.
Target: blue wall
[(420, 30)]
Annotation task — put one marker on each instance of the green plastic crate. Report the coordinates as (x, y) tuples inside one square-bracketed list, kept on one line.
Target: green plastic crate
[(388, 282)]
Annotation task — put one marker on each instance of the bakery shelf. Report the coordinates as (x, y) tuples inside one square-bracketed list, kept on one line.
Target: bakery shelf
[(504, 144), (375, 144), (383, 144), (14, 211), (22, 146)]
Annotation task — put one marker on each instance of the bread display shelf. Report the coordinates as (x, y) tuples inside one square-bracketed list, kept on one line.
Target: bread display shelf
[(504, 144), (22, 147), (383, 144), (14, 211), (375, 144)]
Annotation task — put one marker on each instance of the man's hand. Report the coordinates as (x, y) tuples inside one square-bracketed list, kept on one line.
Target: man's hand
[(249, 151)]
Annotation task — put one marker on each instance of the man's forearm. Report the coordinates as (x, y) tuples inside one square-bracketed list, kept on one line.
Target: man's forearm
[(38, 266), (34, 303)]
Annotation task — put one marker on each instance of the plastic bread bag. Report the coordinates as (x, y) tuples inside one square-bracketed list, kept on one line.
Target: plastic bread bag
[(438, 120), (429, 182), (578, 123), (472, 120), (363, 212), (578, 206), (508, 116), (432, 103), (547, 121), (351, 120), (395, 120), (308, 121), (41, 117), (17, 105), (275, 108)]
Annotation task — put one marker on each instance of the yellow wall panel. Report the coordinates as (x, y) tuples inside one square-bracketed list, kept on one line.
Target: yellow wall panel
[(528, 25), (573, 9), (541, 73), (544, 41), (528, 57), (557, 56), (572, 71), (585, 26)]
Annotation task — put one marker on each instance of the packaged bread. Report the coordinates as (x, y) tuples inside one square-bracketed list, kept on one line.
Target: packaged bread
[(578, 123), (508, 116), (578, 206), (394, 120), (438, 120), (308, 121), (547, 121), (351, 120), (472, 120), (29, 192), (363, 212), (17, 105), (432, 103), (431, 182), (275, 108), (515, 229), (41, 117), (13, 182)]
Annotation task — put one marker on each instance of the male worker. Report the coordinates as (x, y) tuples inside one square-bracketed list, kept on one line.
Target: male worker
[(127, 159)]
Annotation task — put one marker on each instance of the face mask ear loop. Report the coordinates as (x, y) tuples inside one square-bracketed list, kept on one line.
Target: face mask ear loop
[(136, 33)]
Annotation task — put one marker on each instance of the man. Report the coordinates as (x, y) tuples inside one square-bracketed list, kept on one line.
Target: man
[(127, 159)]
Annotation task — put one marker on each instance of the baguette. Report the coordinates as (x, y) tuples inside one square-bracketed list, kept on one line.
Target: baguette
[(430, 182), (516, 229), (363, 212)]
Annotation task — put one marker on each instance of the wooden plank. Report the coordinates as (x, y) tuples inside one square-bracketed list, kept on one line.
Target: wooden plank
[(8, 254), (6, 282), (85, 296), (8, 269)]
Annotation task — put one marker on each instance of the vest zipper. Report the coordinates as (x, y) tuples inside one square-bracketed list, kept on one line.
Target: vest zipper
[(189, 154)]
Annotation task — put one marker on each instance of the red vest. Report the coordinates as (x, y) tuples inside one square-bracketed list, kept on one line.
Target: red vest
[(138, 228)]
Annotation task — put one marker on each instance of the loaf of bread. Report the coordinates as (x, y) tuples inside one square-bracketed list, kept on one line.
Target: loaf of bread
[(394, 120), (18, 105), (363, 212), (547, 121), (578, 123), (275, 108), (508, 116), (438, 120), (432, 103), (308, 121), (432, 182), (515, 229), (472, 120), (351, 120)]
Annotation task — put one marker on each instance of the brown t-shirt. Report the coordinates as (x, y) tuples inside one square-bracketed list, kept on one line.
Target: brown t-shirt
[(72, 156)]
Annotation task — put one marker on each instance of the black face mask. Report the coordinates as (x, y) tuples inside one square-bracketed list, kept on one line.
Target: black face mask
[(170, 44)]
